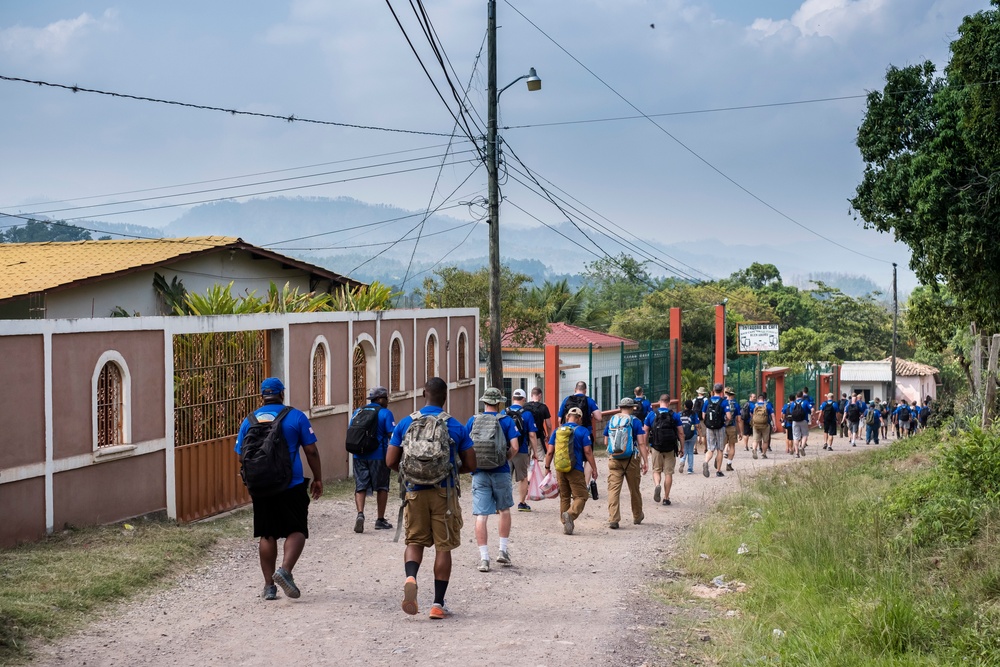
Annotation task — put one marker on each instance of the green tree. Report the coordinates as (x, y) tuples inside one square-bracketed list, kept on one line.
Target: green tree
[(523, 322), (931, 147), (756, 276), (618, 283), (35, 231)]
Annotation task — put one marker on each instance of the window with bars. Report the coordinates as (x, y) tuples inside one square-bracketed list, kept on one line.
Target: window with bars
[(396, 365), (359, 383), (319, 393), (431, 356), (110, 406), (463, 355)]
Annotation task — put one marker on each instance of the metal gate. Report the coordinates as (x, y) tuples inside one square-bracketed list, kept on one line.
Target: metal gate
[(217, 380)]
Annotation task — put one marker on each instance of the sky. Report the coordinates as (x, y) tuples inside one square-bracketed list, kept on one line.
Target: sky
[(766, 177)]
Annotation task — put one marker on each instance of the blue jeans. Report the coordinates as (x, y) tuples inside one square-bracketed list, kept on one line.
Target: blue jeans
[(689, 453), (871, 433)]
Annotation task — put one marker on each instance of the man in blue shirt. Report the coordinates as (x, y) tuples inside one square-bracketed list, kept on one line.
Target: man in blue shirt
[(715, 414), (663, 459), (828, 410), (628, 470), (761, 424), (572, 484), (491, 488), (527, 447), (371, 474), (873, 422), (588, 407), (433, 514), (286, 514), (733, 424)]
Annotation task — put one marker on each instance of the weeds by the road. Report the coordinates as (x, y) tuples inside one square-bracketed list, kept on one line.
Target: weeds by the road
[(892, 558), (51, 587)]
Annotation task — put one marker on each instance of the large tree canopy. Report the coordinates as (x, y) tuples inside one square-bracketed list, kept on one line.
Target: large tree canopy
[(932, 151)]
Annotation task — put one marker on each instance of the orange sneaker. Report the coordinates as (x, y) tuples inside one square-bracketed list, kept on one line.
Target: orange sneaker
[(439, 611), (410, 596)]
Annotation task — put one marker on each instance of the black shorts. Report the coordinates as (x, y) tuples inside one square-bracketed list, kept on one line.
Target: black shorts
[(282, 514), (370, 476), (830, 427), (747, 427), (788, 431)]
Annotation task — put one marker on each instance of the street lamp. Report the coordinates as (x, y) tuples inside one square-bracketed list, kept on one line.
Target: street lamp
[(495, 370)]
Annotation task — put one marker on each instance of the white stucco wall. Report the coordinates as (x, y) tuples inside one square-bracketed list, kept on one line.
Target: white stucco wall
[(134, 292)]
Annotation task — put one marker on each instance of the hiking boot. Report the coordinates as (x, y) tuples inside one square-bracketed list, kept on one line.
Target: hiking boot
[(754, 455), (523, 507), (503, 558), (484, 565), (680, 468), (729, 467), (359, 523), (613, 525), (382, 524), (824, 446), (567, 523), (718, 473), (666, 501), (283, 578), (410, 596), (439, 612), (704, 469), (270, 592), (657, 492), (639, 520), (764, 455)]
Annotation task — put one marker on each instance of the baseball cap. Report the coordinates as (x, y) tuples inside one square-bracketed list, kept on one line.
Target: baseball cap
[(377, 392), (271, 386), (626, 403), (519, 393), (492, 396), (574, 411)]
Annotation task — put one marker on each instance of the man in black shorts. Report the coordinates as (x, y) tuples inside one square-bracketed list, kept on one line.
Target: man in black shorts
[(285, 514), (828, 411), (371, 474)]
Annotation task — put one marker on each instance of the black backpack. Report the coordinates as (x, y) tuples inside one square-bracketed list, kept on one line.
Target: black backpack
[(640, 409), (663, 434), (798, 412), (746, 413), (518, 422), (699, 404), (265, 462), (687, 422), (853, 412), (904, 413), (538, 411), (362, 434), (829, 411), (715, 414), (579, 401)]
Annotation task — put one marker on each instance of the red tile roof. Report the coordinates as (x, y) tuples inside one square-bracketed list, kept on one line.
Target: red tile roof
[(568, 335), (907, 368)]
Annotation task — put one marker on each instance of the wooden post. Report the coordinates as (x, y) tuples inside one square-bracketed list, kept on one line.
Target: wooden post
[(551, 387), (990, 393), (675, 353), (720, 344)]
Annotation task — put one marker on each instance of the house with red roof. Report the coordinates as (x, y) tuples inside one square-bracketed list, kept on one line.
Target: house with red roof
[(584, 354)]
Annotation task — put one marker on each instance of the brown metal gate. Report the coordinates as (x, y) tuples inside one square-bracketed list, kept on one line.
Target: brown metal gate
[(217, 380)]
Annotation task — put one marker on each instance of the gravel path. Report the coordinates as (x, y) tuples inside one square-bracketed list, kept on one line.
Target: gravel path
[(554, 607)]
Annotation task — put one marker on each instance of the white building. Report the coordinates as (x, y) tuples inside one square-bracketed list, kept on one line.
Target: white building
[(872, 379)]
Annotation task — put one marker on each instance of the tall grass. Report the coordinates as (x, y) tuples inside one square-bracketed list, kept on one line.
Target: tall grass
[(888, 559)]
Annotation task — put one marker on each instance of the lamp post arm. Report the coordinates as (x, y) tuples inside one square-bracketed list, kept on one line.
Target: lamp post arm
[(520, 78)]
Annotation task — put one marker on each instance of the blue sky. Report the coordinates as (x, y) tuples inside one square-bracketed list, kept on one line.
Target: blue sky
[(347, 61)]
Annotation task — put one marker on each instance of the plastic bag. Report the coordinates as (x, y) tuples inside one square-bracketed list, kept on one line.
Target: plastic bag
[(535, 481), (549, 486)]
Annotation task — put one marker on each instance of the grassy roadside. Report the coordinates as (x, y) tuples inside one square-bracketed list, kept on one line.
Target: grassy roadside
[(52, 587), (889, 558)]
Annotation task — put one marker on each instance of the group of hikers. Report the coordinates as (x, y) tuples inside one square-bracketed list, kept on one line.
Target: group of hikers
[(500, 446)]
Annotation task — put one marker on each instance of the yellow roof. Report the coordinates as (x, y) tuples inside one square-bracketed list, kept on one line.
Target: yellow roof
[(26, 268)]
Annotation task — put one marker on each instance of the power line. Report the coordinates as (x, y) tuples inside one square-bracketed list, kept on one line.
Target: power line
[(233, 178), (691, 150), (382, 243), (292, 118)]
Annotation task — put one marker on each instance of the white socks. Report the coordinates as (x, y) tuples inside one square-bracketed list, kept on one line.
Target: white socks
[(484, 552), (504, 542)]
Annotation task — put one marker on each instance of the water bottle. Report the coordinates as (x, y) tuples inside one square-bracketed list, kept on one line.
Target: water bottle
[(593, 489)]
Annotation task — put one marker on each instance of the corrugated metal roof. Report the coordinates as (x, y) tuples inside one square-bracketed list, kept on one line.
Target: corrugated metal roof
[(27, 268), (866, 371)]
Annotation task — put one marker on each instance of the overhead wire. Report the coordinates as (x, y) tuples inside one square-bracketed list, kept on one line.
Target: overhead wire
[(292, 118), (690, 150)]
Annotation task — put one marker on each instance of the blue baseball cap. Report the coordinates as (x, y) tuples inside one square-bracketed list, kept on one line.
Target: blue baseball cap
[(271, 386)]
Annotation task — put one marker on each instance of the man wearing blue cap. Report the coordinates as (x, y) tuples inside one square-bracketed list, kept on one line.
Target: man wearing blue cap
[(284, 514)]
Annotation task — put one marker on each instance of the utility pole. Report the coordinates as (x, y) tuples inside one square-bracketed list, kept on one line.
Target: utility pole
[(895, 318), (495, 375)]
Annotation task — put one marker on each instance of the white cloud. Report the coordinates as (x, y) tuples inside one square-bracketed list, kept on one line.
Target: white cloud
[(57, 38), (826, 18)]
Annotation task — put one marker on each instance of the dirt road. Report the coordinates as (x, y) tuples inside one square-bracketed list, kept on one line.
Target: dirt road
[(566, 601)]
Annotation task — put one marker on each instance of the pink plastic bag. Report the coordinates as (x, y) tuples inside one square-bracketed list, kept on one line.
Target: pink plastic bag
[(535, 481), (549, 486)]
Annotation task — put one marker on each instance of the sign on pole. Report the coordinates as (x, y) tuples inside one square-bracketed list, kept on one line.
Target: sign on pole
[(756, 338)]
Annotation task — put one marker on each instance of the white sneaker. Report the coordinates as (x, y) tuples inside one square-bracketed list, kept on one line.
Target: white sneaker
[(484, 565)]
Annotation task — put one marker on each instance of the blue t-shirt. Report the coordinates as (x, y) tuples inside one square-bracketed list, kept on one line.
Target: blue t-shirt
[(877, 417), (651, 417), (581, 441), (808, 402), (460, 440), (591, 405), (510, 432), (834, 404), (767, 404), (386, 422), (528, 419), (787, 412), (637, 429), (295, 427), (646, 405), (732, 408)]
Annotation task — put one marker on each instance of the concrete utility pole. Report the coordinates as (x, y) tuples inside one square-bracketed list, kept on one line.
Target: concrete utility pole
[(495, 374), (495, 369), (895, 318)]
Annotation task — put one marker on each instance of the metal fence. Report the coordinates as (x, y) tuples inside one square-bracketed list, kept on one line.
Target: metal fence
[(742, 375), (615, 372), (809, 377)]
